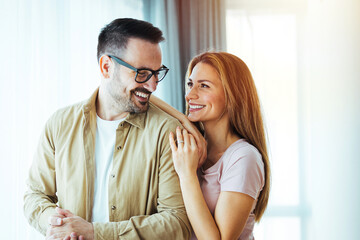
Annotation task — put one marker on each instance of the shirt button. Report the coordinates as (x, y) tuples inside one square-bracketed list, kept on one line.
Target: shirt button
[(121, 125), (119, 147), (113, 175), (113, 207)]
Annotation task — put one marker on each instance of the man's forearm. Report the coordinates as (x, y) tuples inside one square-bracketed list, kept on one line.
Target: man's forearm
[(165, 225), (37, 209)]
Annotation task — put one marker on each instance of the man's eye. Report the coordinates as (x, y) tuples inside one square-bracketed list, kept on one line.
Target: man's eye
[(142, 74), (189, 84), (204, 85)]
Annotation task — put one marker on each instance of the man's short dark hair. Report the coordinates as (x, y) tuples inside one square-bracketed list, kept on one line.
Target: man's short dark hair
[(116, 34)]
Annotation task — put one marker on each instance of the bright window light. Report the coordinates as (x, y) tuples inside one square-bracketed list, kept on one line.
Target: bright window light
[(267, 44)]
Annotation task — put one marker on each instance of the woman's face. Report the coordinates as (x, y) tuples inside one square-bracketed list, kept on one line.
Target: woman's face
[(205, 94)]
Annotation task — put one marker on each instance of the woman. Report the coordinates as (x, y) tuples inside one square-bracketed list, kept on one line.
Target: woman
[(230, 191)]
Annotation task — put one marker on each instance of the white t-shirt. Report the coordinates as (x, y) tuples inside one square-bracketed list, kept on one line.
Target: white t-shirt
[(104, 150)]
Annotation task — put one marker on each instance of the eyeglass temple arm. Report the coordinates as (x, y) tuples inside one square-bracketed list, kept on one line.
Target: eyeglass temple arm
[(121, 62)]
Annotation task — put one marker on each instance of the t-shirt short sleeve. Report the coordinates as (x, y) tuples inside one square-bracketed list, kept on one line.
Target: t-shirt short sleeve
[(243, 170)]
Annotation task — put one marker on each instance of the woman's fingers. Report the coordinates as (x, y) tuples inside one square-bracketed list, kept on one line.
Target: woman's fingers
[(184, 140), (194, 148), (179, 138), (172, 142), (192, 141), (186, 137)]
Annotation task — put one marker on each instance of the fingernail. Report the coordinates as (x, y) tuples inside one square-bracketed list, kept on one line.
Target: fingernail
[(72, 235), (58, 221)]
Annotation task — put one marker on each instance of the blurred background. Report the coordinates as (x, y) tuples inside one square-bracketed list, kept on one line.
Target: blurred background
[(305, 59)]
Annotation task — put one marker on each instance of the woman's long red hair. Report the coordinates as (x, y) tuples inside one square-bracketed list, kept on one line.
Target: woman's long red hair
[(243, 108)]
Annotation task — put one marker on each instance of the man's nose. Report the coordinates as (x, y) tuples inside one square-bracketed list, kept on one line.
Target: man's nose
[(151, 84)]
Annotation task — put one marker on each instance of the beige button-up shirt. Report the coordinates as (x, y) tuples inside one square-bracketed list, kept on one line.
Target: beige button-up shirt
[(145, 199)]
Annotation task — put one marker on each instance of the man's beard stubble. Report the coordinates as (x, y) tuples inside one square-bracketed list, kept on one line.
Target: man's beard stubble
[(135, 108), (126, 102)]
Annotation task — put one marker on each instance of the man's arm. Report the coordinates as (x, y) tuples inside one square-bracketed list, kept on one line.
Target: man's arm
[(189, 126), (170, 221), (40, 199)]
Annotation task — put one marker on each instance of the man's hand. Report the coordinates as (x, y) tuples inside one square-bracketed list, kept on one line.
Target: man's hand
[(71, 228), (56, 220)]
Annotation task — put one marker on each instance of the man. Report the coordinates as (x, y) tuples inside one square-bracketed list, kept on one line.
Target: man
[(107, 160)]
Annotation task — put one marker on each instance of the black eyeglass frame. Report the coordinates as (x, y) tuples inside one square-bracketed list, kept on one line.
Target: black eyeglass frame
[(153, 72)]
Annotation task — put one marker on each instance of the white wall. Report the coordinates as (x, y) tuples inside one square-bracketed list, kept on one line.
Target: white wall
[(305, 59), (329, 64)]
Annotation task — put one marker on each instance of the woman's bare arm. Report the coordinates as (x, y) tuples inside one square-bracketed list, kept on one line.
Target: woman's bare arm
[(232, 208), (189, 126)]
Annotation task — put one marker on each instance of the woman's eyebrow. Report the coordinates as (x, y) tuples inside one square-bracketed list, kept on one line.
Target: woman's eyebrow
[(200, 81)]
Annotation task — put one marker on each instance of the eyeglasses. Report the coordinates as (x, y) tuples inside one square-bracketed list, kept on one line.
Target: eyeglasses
[(143, 74)]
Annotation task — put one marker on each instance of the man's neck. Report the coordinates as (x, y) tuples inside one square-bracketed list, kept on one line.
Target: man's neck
[(106, 109)]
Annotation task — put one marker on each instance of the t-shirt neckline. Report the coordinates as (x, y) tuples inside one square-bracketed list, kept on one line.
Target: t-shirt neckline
[(214, 167)]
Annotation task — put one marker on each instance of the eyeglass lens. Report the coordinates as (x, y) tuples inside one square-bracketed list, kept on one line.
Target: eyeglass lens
[(144, 75)]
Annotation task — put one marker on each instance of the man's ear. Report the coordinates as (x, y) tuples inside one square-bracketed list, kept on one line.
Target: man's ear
[(105, 63)]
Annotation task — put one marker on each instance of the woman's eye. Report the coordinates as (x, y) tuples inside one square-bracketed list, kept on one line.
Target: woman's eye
[(189, 84), (204, 85)]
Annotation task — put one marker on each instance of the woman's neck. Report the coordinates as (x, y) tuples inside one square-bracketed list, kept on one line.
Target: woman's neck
[(219, 137)]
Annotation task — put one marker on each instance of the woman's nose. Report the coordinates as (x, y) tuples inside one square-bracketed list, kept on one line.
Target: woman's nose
[(191, 94)]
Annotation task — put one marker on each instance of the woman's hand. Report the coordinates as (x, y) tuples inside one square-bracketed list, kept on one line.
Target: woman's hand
[(189, 126), (185, 153), (200, 140)]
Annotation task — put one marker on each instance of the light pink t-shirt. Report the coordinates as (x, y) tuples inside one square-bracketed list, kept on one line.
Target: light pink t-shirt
[(240, 169)]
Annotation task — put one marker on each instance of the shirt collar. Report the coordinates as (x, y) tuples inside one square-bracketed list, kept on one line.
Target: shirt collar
[(90, 104), (135, 119)]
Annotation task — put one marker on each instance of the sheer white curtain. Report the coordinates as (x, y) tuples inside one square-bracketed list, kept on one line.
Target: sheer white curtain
[(48, 61), (305, 58)]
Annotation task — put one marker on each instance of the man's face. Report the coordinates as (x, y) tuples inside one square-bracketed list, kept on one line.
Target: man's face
[(126, 93)]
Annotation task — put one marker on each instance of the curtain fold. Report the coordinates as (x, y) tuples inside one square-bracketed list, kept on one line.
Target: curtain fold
[(190, 27)]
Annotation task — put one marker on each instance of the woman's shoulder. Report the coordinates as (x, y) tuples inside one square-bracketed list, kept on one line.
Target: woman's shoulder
[(242, 148), (243, 169), (242, 151)]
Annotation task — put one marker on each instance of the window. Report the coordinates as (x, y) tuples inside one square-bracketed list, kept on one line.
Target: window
[(267, 42), (50, 49)]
